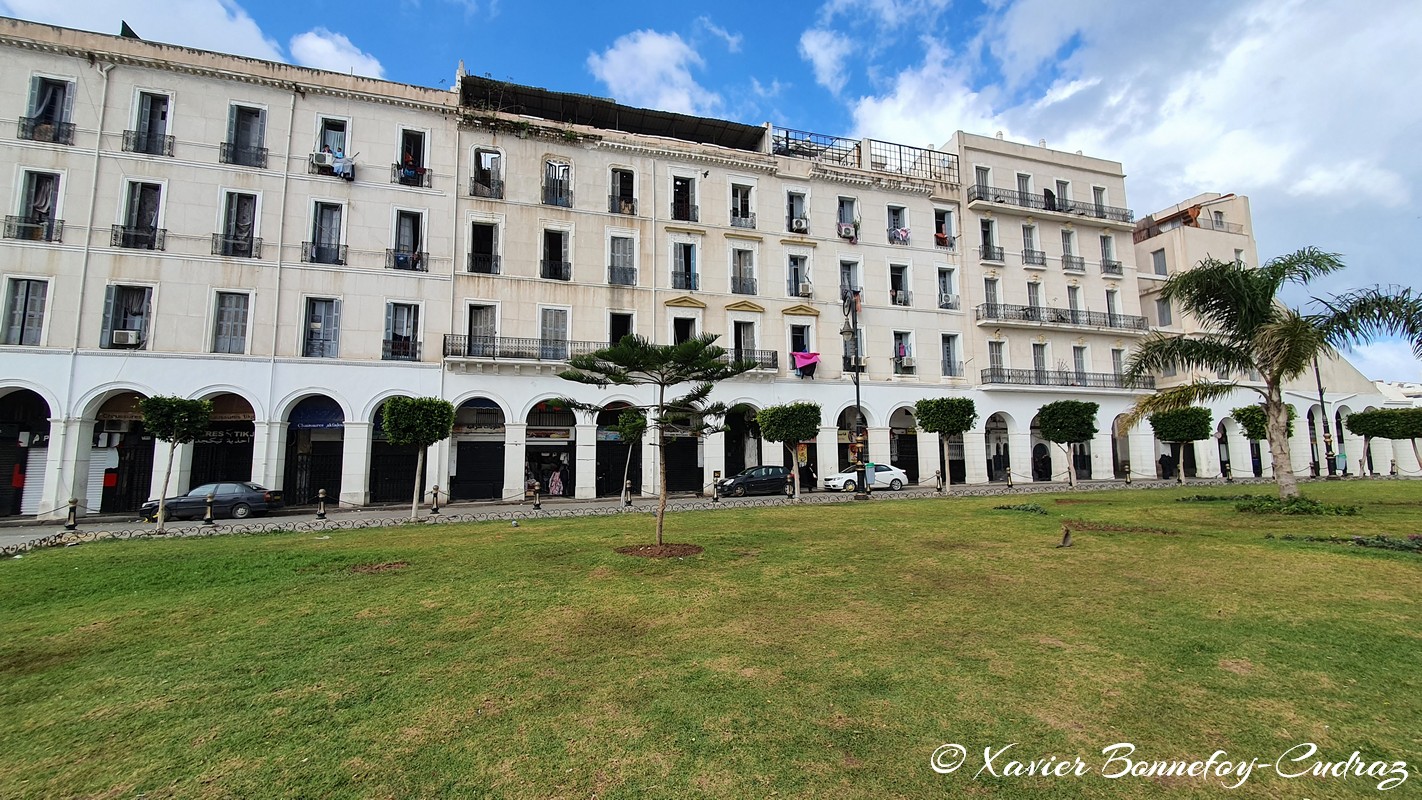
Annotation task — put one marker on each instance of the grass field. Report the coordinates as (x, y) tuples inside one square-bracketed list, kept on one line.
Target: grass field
[(809, 652)]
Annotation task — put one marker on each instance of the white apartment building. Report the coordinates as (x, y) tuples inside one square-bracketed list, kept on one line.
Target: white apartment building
[(299, 246)]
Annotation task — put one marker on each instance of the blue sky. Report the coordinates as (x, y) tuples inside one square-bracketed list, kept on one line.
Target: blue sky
[(1307, 107)]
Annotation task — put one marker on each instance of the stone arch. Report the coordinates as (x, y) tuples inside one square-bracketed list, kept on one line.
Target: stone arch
[(998, 428), (24, 450), (282, 410)]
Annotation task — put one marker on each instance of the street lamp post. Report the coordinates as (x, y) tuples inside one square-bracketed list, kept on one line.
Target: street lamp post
[(850, 332), (1327, 433)]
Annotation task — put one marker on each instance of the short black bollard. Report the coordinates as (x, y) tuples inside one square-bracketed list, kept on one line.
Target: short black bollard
[(71, 521), (207, 513), (627, 493), (1009, 477), (321, 504), (434, 504), (1127, 465), (537, 505), (1393, 469), (938, 479), (790, 486), (1228, 473)]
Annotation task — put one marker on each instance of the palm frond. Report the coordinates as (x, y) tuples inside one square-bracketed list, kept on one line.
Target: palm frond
[(1177, 397), (1285, 349), (1366, 314), (1226, 296), (1160, 352), (1301, 266)]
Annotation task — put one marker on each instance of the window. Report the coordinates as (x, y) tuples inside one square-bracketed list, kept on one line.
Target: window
[(683, 328), (943, 228), (409, 240), (557, 183), (903, 353), (24, 311), (743, 271), (1030, 254), (39, 207), (409, 168), (1162, 310), (990, 294), (1064, 192), (482, 331), (484, 248), (402, 332), (229, 325), (742, 211), (325, 246), (848, 276), (1098, 199), (150, 130), (797, 220), (988, 234), (622, 265), (854, 351), (1113, 307), (1157, 259), (996, 357), (898, 225), (684, 266), (1039, 359), (684, 199), (947, 293), (1024, 187), (553, 333), (330, 135), (846, 211), (899, 294), (623, 199), (800, 339), (797, 273), (619, 325), (239, 218), (1074, 303), (1034, 300), (127, 310), (1118, 361), (51, 109), (555, 265), (1108, 249), (743, 340), (488, 178), (1029, 237), (1068, 243), (952, 367), (246, 137), (1070, 260), (1078, 361), (140, 229), (323, 328), (1219, 219), (983, 177), (1238, 256)]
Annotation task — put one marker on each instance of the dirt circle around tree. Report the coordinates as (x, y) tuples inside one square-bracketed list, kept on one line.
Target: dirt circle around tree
[(661, 550)]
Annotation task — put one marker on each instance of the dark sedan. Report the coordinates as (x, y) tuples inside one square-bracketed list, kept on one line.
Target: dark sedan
[(238, 500), (756, 480)]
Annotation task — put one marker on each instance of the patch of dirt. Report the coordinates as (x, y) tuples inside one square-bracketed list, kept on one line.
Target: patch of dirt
[(371, 569), (1087, 525), (661, 551), (1239, 666), (1069, 501)]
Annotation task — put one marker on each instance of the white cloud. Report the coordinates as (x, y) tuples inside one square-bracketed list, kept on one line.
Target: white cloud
[(220, 25), (322, 49), (733, 40), (885, 13), (826, 50), (1386, 361), (653, 70), (768, 91)]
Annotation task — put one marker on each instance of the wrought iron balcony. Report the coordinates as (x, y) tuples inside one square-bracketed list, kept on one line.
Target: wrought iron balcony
[(236, 246), (616, 204), (943, 240), (1040, 202), (496, 348), (400, 348), (1057, 377), (764, 359), (686, 280), (899, 236), (410, 176), (948, 301), (1035, 257), (34, 229), (556, 270), (742, 284), (483, 264), (952, 369), (1220, 225), (739, 220), (913, 162), (486, 186), (1111, 267), (137, 237), (229, 153), (312, 253), (686, 212), (1060, 316), (411, 260), (36, 129), (558, 194), (988, 252), (149, 143), (1073, 263), (622, 276), (900, 297)]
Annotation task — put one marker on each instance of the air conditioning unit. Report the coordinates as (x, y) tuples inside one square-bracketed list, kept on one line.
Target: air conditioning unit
[(799, 225), (806, 288), (323, 159), (846, 230), (129, 338), (906, 362)]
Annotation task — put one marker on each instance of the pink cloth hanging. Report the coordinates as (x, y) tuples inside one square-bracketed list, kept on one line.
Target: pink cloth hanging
[(803, 359)]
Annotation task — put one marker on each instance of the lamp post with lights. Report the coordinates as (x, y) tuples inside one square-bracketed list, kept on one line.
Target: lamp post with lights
[(850, 332)]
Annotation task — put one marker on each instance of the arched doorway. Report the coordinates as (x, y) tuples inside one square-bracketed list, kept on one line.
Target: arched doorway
[(1349, 446), (903, 443), (1120, 447), (315, 442), (995, 440), (224, 452), (478, 451), (616, 457), (853, 438), (550, 453), (742, 438), (1314, 418), (24, 450), (121, 456), (1041, 454), (392, 466), (1222, 444)]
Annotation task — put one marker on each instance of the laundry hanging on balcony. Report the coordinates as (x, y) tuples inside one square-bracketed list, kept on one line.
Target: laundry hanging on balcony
[(805, 363)]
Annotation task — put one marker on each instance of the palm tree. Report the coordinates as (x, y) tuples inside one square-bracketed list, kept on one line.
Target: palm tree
[(1248, 329)]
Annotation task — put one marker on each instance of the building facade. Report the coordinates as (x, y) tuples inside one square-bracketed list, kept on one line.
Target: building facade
[(298, 246)]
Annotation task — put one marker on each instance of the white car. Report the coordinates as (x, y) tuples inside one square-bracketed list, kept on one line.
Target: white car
[(885, 477)]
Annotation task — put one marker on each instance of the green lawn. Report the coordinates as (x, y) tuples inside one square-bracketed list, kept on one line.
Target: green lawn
[(809, 652)]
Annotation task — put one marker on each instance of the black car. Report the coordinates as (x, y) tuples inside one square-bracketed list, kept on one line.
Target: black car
[(756, 480), (235, 499)]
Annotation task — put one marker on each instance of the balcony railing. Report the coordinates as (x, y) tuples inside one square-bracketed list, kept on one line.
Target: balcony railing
[(400, 349), (1111, 267), (1057, 377), (686, 212), (988, 252), (557, 194), (485, 186), (943, 240), (686, 280), (504, 347), (34, 229), (1037, 257), (150, 143), (948, 301), (899, 236), (622, 276), (1040, 202), (816, 146), (556, 270), (616, 204), (43, 130), (312, 253), (913, 162), (236, 246), (410, 176), (1073, 263), (229, 153), (900, 297), (742, 284), (739, 220), (138, 237), (952, 369), (764, 359), (408, 260), (1060, 316), (1220, 225), (483, 264)]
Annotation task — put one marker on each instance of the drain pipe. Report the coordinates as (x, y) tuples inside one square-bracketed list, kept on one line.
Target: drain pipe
[(275, 447)]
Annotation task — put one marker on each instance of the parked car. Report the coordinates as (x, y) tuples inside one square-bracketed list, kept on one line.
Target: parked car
[(885, 477), (756, 480), (238, 500)]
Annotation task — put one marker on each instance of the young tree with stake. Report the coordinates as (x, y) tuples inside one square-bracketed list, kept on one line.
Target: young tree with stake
[(790, 424), (419, 422), (174, 420)]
